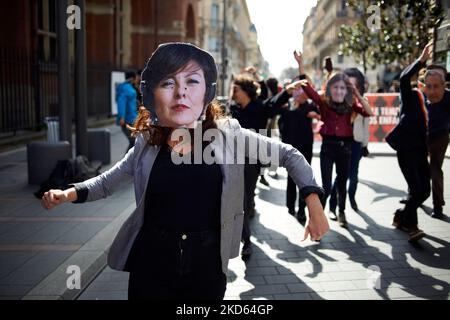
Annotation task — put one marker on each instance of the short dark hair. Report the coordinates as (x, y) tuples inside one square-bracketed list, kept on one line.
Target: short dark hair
[(130, 74), (247, 84), (169, 58), (272, 84), (360, 79)]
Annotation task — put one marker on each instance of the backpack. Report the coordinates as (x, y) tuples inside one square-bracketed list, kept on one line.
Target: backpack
[(67, 172)]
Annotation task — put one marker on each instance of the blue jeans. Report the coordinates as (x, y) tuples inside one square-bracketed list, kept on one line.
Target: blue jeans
[(353, 176)]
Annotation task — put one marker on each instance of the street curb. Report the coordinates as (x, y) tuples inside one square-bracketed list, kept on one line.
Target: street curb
[(90, 258)]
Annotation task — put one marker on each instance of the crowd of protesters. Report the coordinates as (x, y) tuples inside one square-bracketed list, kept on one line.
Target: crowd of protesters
[(420, 139)]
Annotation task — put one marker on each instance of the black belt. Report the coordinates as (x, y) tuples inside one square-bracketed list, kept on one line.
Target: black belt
[(340, 143)]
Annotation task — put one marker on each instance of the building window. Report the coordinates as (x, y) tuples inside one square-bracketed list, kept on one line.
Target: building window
[(214, 15), (47, 37)]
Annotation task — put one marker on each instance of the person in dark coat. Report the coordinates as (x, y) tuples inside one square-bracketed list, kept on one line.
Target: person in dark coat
[(408, 138), (296, 129)]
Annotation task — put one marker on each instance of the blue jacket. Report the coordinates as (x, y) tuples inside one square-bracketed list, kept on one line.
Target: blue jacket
[(126, 99)]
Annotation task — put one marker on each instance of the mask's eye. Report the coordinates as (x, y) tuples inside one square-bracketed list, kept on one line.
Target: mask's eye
[(167, 83), (193, 81)]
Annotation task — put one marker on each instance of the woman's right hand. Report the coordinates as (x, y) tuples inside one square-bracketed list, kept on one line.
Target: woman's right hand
[(54, 197)]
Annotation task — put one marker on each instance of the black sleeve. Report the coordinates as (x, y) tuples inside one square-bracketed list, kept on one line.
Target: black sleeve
[(405, 82), (274, 105), (82, 192), (311, 106), (306, 191), (234, 109)]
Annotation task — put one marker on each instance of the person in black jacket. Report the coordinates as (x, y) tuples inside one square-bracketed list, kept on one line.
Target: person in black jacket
[(252, 113), (296, 129), (408, 138)]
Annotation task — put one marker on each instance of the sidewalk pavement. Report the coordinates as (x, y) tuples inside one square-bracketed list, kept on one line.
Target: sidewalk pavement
[(37, 247), (370, 260)]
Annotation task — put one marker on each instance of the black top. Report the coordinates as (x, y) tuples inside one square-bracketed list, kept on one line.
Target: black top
[(257, 112), (183, 197), (411, 127), (296, 127), (439, 115)]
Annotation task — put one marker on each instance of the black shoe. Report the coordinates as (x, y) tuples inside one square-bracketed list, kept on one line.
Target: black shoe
[(264, 181), (415, 234), (342, 220), (291, 211), (437, 213), (247, 250), (365, 152), (397, 221), (252, 214), (353, 204), (274, 175)]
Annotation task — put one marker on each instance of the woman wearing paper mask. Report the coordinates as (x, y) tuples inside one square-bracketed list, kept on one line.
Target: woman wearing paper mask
[(188, 220)]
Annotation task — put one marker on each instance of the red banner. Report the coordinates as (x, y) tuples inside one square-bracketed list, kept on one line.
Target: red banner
[(386, 107)]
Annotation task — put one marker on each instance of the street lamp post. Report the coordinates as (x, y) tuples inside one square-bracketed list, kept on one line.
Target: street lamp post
[(224, 48), (63, 74), (80, 86)]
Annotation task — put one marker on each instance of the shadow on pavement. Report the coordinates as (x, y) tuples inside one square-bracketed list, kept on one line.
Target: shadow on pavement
[(414, 281), (383, 191)]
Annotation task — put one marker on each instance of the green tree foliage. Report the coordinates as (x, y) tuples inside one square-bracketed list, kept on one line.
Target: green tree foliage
[(404, 28)]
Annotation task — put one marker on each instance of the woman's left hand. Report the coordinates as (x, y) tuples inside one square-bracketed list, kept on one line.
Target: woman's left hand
[(317, 224)]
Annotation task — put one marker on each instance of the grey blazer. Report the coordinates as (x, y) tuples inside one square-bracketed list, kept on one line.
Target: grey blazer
[(138, 163)]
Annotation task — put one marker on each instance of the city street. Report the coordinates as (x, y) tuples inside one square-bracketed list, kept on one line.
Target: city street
[(370, 260), (80, 79)]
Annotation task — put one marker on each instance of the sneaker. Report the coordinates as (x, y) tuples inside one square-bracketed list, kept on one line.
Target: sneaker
[(263, 180), (332, 215), (247, 249), (415, 234), (342, 220)]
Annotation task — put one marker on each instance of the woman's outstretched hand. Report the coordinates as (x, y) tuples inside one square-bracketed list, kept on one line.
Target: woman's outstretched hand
[(54, 197), (317, 224)]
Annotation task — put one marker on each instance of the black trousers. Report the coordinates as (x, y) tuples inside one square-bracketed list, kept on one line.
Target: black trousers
[(176, 266), (353, 175), (291, 190), (335, 152), (251, 174), (416, 170), (130, 139), (437, 146)]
